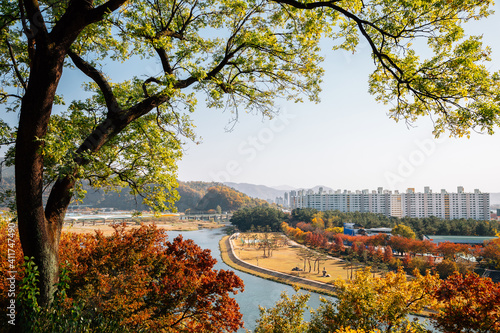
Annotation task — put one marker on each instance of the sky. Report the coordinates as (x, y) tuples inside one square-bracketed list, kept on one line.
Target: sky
[(345, 142)]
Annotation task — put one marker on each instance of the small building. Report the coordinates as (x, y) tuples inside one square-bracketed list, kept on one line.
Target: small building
[(352, 230), (471, 240), (376, 231)]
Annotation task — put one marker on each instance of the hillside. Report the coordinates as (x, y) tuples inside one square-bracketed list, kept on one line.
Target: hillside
[(257, 191), (266, 192), (227, 198)]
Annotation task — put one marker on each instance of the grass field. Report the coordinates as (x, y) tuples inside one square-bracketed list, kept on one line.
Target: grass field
[(285, 258), (225, 257), (107, 229)]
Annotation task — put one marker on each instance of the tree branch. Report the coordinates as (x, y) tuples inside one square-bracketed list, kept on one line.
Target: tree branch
[(14, 63), (98, 77), (144, 85), (164, 60), (98, 13), (38, 29)]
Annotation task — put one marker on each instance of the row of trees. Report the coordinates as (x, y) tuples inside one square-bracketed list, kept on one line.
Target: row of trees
[(462, 303), (264, 239), (258, 217), (379, 248), (421, 226)]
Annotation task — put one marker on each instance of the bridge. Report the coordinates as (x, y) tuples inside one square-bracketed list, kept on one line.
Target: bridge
[(207, 217)]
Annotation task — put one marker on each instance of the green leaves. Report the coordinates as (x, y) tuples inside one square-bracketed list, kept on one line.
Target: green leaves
[(287, 316), (241, 56)]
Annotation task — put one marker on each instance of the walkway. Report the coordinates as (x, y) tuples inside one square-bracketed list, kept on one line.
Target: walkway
[(287, 277)]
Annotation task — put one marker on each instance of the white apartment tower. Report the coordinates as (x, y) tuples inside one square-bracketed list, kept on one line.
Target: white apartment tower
[(445, 205)]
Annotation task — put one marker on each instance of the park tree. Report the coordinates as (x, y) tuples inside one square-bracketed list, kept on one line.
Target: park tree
[(403, 231), (371, 303), (450, 250), (468, 303), (287, 315), (260, 217), (237, 54), (491, 253)]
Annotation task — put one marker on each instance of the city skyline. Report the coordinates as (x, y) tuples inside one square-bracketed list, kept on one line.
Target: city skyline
[(442, 204)]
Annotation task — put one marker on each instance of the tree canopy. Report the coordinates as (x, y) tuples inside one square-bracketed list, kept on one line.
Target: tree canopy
[(238, 55), (258, 217)]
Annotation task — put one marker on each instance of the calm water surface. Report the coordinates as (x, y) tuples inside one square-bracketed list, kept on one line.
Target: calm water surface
[(258, 291)]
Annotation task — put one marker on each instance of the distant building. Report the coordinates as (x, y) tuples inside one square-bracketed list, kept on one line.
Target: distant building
[(412, 204), (351, 230), (471, 240)]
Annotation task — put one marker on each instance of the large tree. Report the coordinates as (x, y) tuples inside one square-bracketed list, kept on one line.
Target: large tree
[(239, 54)]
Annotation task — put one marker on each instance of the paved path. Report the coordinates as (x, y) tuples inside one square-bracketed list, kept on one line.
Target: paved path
[(287, 277)]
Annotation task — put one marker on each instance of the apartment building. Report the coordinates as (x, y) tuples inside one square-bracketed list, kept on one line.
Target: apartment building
[(412, 204)]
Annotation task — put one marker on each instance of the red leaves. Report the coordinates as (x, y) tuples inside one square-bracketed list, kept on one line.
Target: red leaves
[(468, 303), (144, 280)]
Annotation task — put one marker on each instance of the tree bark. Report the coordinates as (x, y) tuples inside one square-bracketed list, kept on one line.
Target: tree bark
[(39, 235)]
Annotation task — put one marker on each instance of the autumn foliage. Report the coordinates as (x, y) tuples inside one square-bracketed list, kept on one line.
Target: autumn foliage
[(141, 279), (469, 303)]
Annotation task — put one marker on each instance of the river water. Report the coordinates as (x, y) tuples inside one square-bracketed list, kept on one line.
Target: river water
[(257, 292)]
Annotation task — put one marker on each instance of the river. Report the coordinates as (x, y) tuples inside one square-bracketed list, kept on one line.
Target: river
[(257, 292)]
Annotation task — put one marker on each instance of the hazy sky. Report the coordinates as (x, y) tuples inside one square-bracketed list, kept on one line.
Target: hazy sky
[(347, 141)]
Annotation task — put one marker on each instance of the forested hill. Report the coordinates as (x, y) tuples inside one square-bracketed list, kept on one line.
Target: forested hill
[(196, 196), (227, 199)]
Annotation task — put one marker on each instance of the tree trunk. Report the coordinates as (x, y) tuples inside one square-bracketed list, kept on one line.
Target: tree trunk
[(39, 235)]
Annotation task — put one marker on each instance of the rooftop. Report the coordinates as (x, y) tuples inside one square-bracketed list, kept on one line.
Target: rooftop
[(458, 239)]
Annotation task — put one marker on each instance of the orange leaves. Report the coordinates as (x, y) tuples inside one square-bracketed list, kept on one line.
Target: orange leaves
[(468, 304), (491, 253), (450, 250), (140, 278)]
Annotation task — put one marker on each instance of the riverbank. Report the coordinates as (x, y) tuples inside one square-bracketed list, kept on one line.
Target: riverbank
[(107, 229), (236, 256), (229, 257)]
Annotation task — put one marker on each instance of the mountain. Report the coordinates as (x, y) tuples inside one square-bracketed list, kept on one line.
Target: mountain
[(191, 193), (285, 188), (325, 188), (266, 192), (227, 199), (257, 191)]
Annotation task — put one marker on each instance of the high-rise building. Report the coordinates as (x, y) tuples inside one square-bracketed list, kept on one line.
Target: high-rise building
[(412, 204)]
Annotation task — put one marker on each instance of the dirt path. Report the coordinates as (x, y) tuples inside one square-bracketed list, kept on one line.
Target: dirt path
[(275, 275)]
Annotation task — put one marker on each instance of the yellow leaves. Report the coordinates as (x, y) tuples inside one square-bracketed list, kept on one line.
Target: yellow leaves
[(369, 302), (348, 329)]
